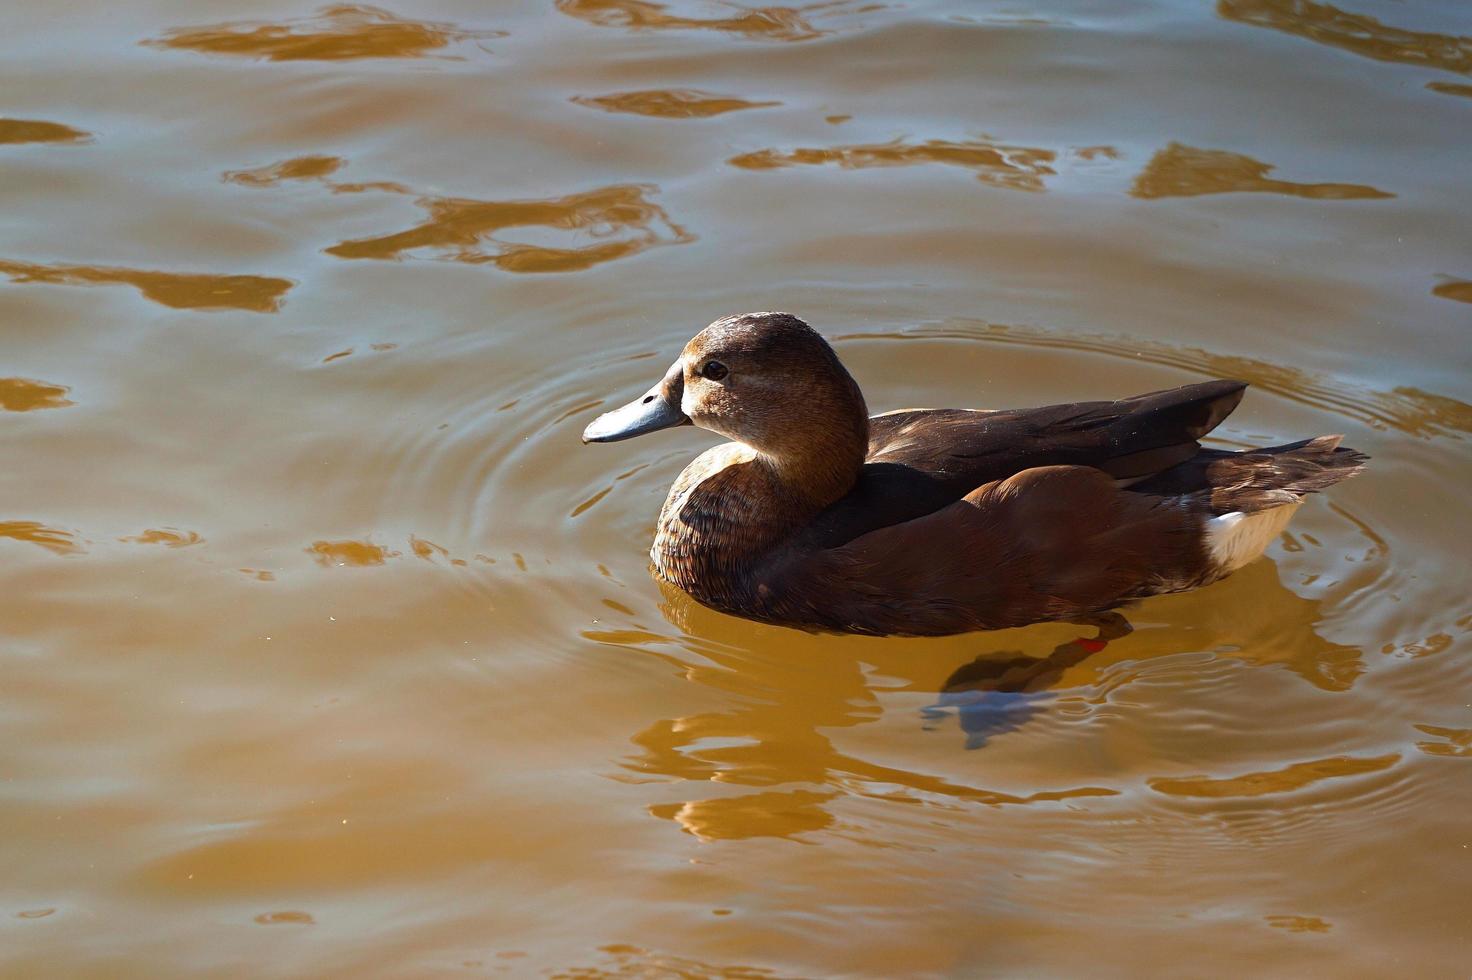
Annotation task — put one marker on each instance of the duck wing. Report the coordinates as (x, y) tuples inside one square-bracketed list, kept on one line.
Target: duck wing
[(1049, 543), (921, 460), (1128, 439)]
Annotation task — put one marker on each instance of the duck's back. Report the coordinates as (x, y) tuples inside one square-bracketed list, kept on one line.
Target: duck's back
[(965, 521), (921, 460)]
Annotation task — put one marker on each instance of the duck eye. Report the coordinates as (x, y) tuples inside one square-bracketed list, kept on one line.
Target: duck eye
[(714, 370)]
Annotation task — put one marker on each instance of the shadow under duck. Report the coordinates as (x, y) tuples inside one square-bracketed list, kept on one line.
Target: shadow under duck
[(926, 522)]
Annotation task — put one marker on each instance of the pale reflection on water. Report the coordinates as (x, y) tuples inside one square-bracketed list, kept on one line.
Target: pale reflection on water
[(329, 651), (753, 23)]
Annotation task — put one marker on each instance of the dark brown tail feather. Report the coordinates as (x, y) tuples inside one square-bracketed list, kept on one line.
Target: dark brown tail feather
[(1258, 478)]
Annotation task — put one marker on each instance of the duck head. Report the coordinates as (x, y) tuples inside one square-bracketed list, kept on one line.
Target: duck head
[(766, 380)]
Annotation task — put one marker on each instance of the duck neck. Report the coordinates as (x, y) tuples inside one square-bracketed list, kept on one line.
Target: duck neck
[(821, 469)]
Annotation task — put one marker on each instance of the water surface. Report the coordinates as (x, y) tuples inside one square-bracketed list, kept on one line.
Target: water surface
[(328, 650)]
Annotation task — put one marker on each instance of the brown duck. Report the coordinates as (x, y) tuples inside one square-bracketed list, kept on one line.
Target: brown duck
[(935, 521)]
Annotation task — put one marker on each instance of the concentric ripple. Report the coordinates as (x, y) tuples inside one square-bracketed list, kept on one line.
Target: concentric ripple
[(1316, 614)]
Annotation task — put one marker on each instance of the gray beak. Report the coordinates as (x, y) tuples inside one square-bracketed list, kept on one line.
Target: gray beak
[(658, 408)]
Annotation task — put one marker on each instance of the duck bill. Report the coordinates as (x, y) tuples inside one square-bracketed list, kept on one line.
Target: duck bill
[(658, 408)]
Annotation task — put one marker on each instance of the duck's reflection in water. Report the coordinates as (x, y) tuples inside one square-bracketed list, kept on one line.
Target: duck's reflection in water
[(999, 691), (783, 692)]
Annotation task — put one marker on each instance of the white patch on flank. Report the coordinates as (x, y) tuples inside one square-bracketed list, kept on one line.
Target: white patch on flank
[(896, 411), (1235, 539)]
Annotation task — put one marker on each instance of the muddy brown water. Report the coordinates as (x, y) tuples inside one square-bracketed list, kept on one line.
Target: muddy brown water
[(326, 650)]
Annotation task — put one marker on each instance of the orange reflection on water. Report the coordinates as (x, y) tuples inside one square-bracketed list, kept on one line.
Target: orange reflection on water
[(1423, 413), (349, 351), (297, 168), (428, 550), (358, 187), (669, 103), (635, 961), (292, 918), (168, 537), (39, 131), (1358, 33), (764, 23), (1284, 780), (1451, 88), (28, 395), (1457, 289), (314, 167), (1426, 647), (1297, 923), (779, 739), (1319, 660), (180, 290), (1457, 741), (1017, 167), (1186, 171), (770, 814), (330, 554), (460, 229), (53, 539), (337, 33)]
